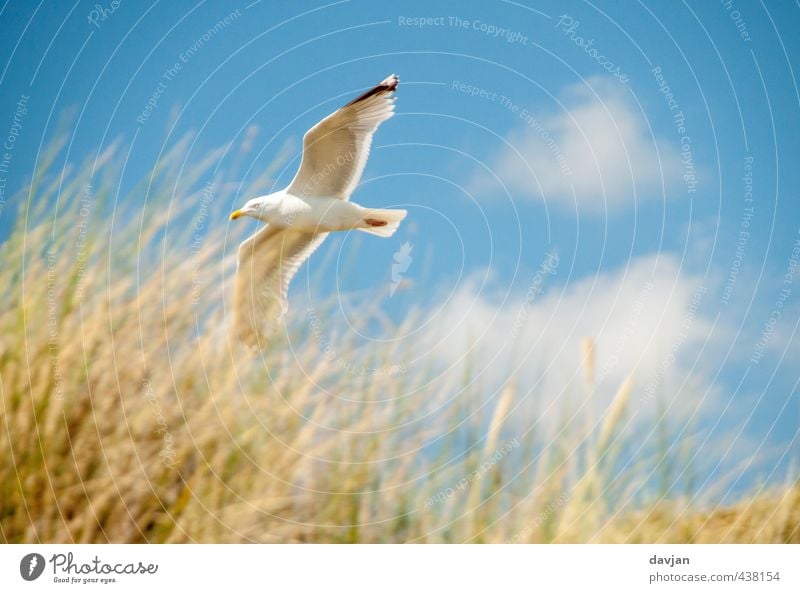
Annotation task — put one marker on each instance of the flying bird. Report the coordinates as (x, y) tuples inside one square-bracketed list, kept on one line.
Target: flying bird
[(314, 204)]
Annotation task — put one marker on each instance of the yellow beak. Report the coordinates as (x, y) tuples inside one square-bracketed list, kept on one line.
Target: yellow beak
[(236, 214)]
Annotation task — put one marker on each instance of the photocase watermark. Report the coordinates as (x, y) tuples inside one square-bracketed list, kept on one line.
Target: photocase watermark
[(490, 30), (510, 36), (422, 22), (31, 566), (542, 131), (548, 267), (313, 185), (738, 20), (52, 294), (100, 12), (348, 365), (688, 320), (522, 113), (402, 261), (744, 231), (569, 27), (10, 141), (549, 510), (52, 323), (168, 453), (775, 315), (321, 174), (183, 58), (679, 119), (84, 212), (198, 229), (473, 476), (67, 570)]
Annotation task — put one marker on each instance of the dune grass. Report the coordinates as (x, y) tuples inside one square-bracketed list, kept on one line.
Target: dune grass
[(128, 415)]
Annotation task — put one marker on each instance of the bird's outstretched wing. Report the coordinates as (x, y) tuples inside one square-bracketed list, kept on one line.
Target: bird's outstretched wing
[(336, 150), (267, 262)]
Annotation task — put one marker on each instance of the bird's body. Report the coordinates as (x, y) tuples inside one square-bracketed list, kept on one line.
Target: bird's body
[(314, 204), (318, 214)]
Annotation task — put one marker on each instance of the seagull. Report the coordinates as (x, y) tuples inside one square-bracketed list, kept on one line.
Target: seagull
[(314, 204)]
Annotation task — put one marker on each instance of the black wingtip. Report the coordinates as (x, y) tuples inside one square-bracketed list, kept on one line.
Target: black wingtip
[(390, 82), (387, 85)]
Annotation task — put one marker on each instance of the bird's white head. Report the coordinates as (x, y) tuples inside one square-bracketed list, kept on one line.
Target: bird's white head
[(260, 207)]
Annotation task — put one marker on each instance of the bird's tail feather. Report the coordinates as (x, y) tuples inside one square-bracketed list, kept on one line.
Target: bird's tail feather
[(381, 222)]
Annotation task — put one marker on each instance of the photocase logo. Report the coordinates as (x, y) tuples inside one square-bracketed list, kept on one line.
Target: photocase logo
[(402, 260), (31, 566)]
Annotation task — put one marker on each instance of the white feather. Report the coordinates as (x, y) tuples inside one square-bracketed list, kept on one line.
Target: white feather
[(299, 218)]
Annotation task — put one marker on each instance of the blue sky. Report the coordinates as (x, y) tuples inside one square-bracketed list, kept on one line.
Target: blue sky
[(652, 146)]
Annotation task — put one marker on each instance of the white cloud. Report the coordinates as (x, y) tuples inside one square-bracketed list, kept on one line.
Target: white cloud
[(597, 153), (645, 320), (649, 319)]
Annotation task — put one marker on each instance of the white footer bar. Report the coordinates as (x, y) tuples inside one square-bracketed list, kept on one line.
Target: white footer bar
[(412, 568)]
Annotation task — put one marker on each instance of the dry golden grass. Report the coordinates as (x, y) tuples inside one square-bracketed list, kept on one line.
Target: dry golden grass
[(128, 416), (770, 518)]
